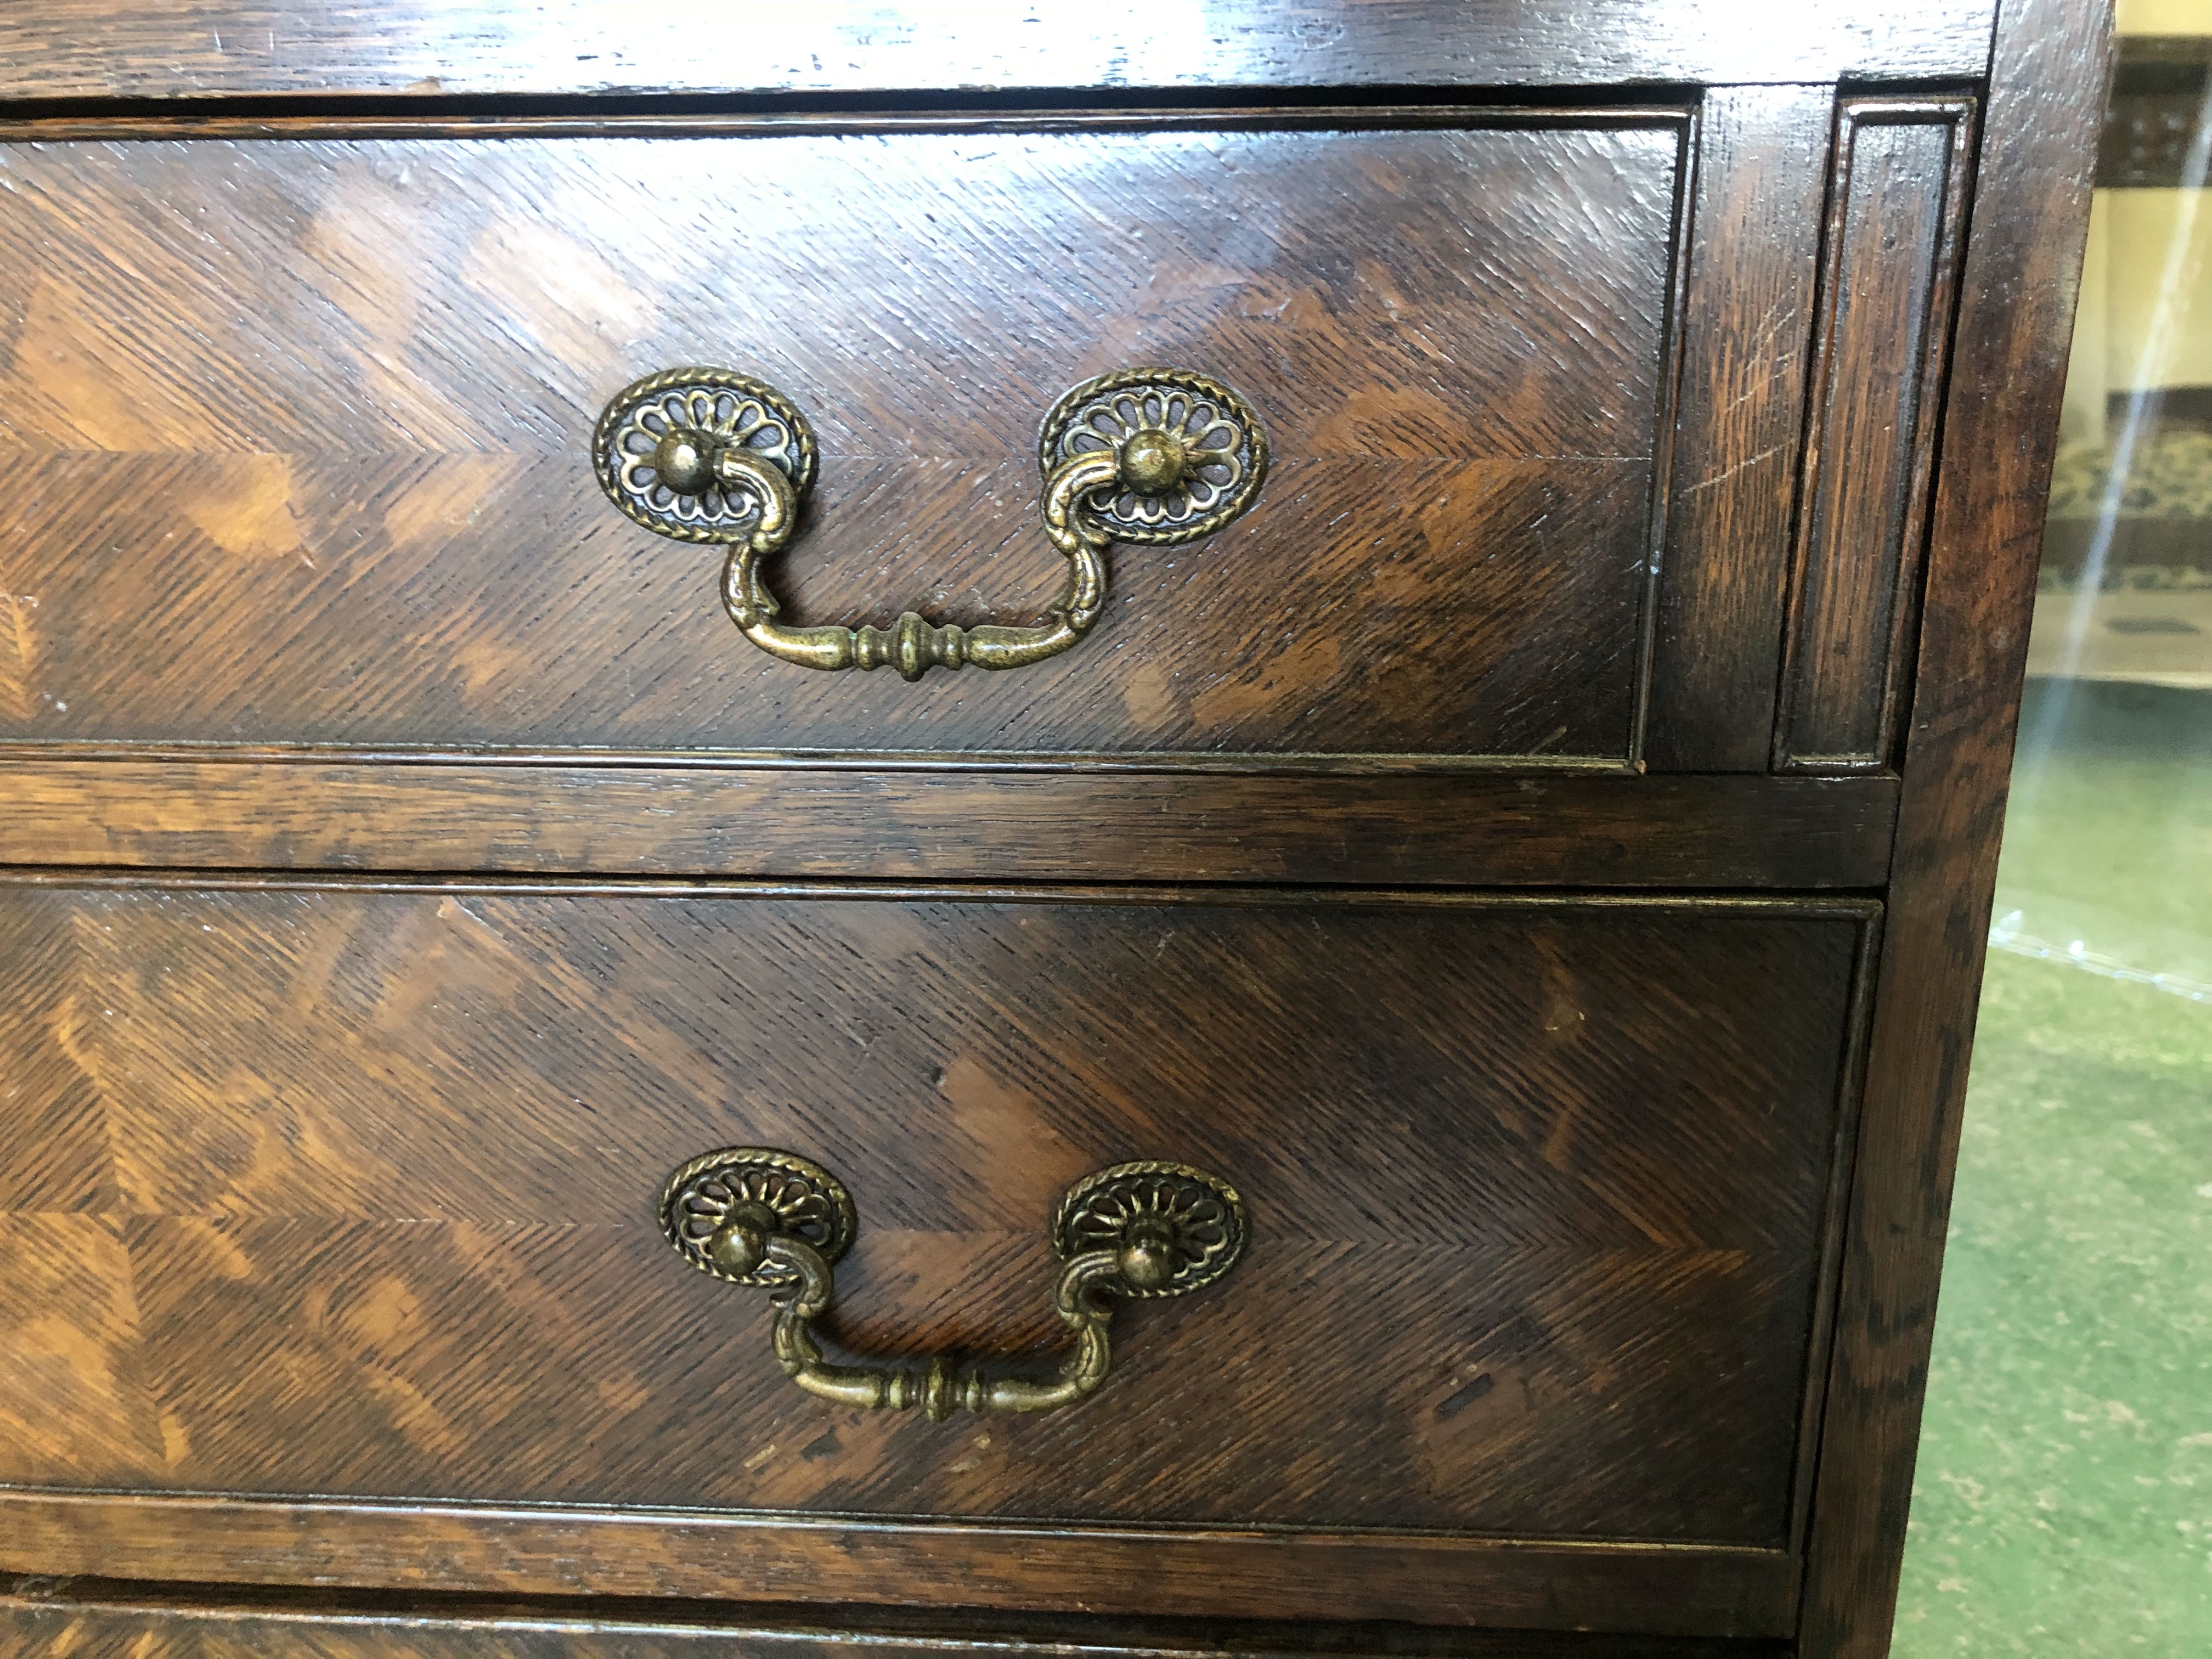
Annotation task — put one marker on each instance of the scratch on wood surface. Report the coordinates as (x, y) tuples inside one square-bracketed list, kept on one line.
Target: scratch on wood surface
[(1719, 478)]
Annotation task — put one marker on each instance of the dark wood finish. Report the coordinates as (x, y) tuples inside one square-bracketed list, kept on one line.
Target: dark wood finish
[(1557, 829), (638, 1553), (1896, 227), (382, 1167), (348, 388), (1584, 1320), (1755, 234), (92, 1617), (2023, 259), (206, 48)]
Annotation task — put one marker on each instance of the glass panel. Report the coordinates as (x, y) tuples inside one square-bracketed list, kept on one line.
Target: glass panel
[(2063, 1501)]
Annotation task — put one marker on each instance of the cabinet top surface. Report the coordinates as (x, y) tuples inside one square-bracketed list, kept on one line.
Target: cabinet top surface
[(100, 49)]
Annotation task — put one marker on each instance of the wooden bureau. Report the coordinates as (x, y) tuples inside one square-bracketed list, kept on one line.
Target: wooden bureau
[(1279, 871)]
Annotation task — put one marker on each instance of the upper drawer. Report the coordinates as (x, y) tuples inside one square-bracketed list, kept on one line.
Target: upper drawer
[(302, 429)]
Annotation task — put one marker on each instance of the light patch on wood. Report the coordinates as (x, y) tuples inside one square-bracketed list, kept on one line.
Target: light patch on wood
[(176, 1442), (365, 252), (567, 296), (1148, 692), (246, 509), (68, 1323), (450, 496), (1310, 660), (1002, 1122), (389, 1313), (484, 664), (222, 1257), (18, 654), (79, 382), (362, 244), (415, 1416)]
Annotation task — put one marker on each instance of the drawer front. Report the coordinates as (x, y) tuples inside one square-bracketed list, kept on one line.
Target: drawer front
[(351, 1192), (305, 430), (42, 1617)]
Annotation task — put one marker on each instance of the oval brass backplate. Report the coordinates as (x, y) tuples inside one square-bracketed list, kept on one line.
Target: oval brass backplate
[(804, 1198), (1200, 1218), (657, 442), (1190, 454)]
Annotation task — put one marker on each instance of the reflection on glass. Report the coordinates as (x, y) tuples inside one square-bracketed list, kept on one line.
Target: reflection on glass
[(2063, 1501)]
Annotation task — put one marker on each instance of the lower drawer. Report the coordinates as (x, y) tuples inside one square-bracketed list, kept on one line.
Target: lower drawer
[(97, 1620), (340, 1201)]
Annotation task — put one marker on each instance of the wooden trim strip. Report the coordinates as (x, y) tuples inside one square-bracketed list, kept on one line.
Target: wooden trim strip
[(1896, 231), (1689, 143), (1468, 829), (2000, 432), (1754, 246), (80, 1616), (353, 124), (1834, 907), (1181, 762), (1655, 1589), (1835, 1215)]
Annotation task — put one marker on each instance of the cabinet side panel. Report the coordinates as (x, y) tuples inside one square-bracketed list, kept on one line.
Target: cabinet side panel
[(2023, 259)]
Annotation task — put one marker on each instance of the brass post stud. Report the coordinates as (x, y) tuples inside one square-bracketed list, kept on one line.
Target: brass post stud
[(739, 1245), (1146, 1260), (1153, 462), (684, 460)]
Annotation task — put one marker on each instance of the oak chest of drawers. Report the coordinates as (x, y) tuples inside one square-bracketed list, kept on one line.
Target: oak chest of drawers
[(983, 828)]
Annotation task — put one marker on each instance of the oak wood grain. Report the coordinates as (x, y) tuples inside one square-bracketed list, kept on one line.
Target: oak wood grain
[(347, 388), (1896, 230), (332, 1191), (1472, 829), (2018, 290), (208, 48), (1525, 1585), (1538, 1231), (1747, 323), (91, 1617), (458, 1622)]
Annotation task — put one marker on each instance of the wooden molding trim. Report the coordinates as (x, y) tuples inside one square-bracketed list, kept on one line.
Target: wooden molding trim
[(1657, 1589), (1561, 829), (1897, 213), (1762, 156)]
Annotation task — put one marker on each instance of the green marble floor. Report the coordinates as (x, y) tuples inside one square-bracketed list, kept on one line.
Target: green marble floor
[(2063, 1501)]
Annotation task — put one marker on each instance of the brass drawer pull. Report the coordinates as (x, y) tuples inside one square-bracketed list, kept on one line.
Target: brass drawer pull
[(1153, 456), (775, 1221)]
